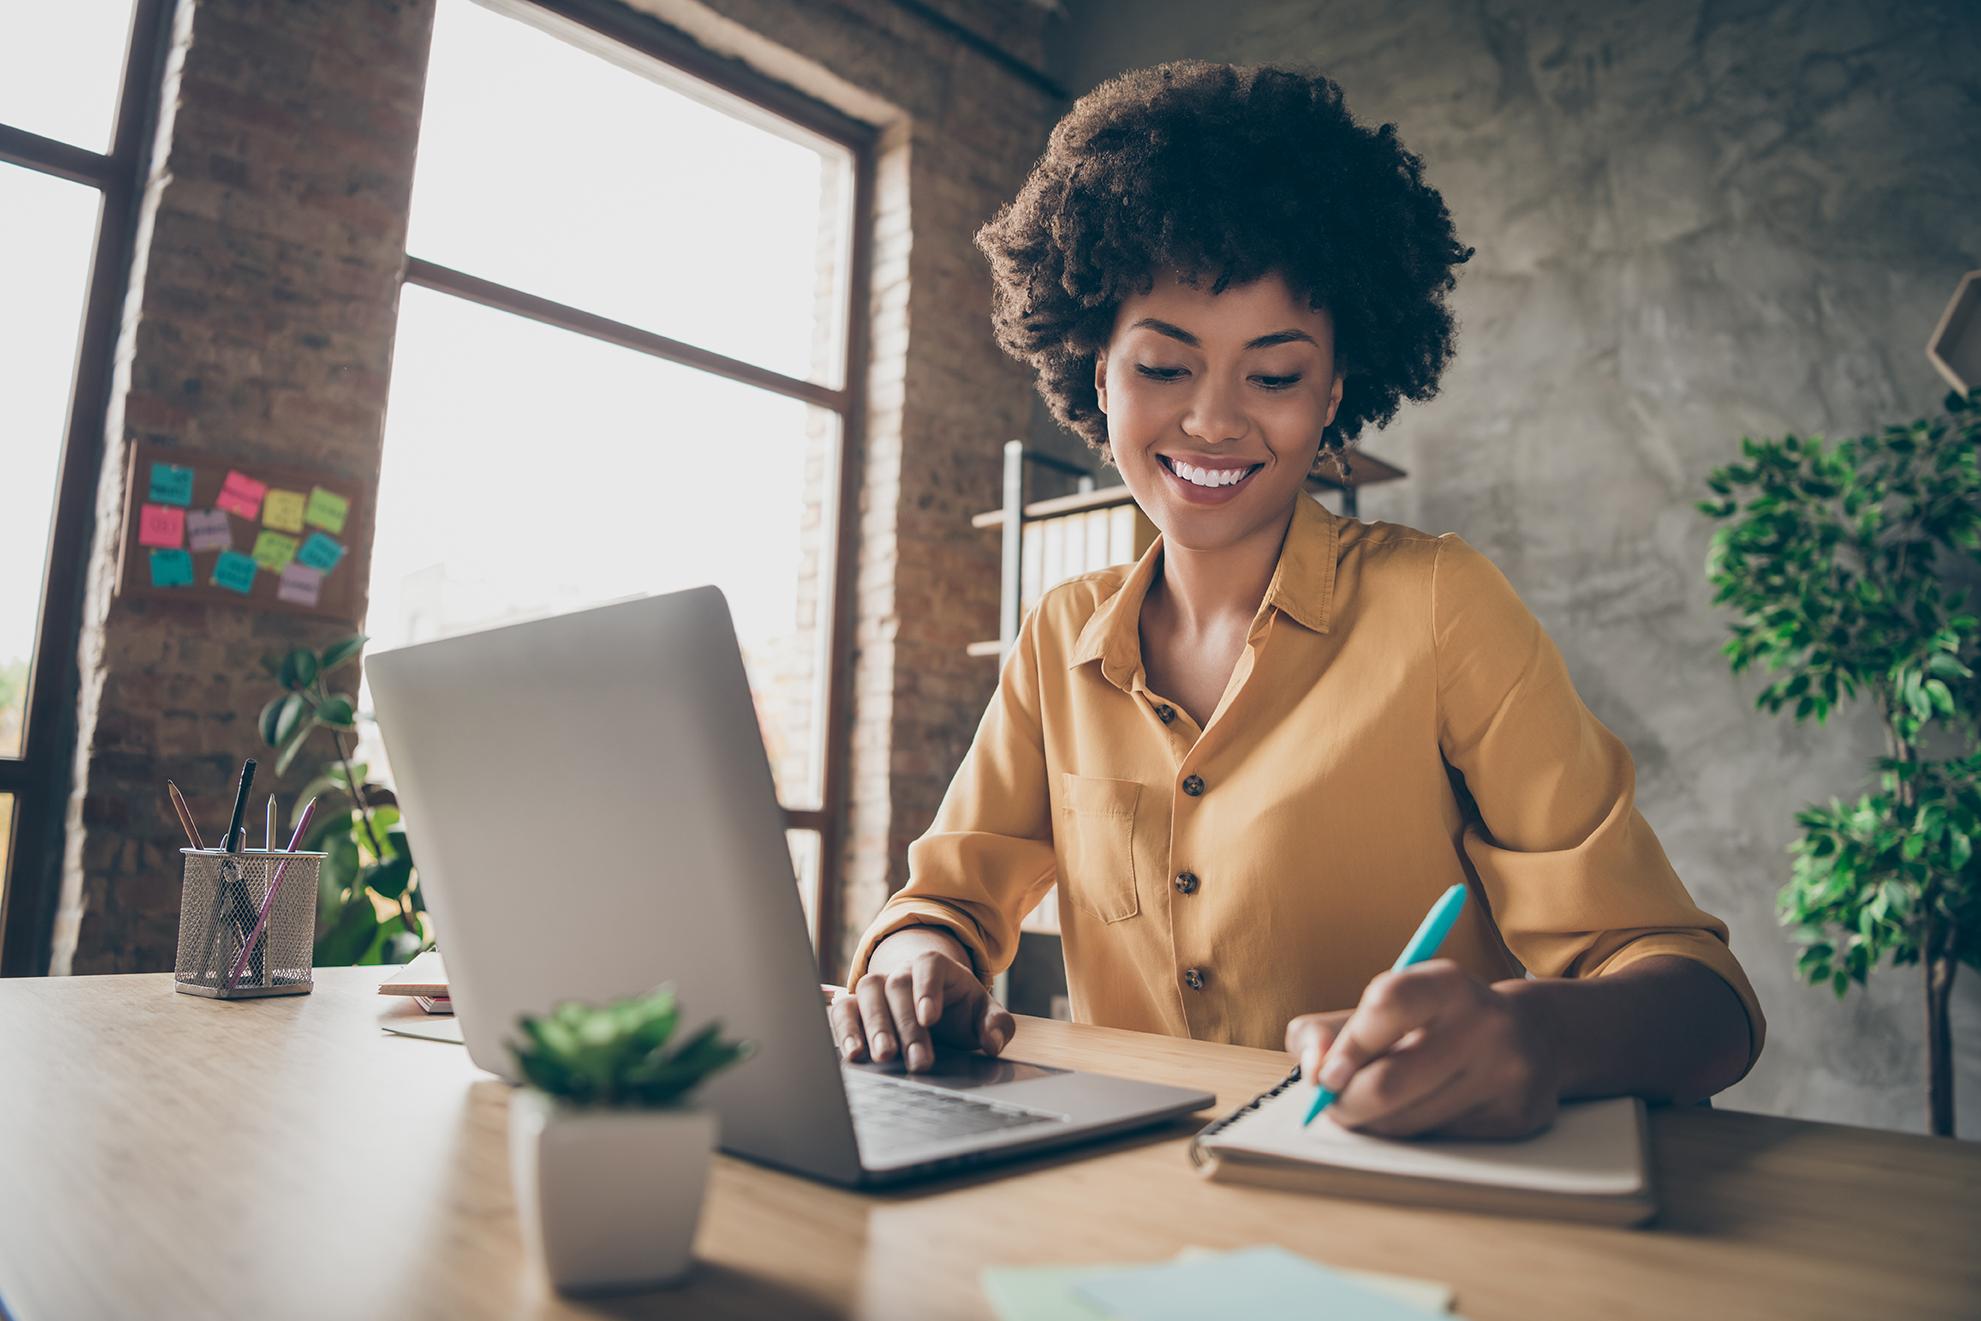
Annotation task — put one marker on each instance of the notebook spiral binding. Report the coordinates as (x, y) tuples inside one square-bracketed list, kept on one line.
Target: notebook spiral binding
[(1197, 1156)]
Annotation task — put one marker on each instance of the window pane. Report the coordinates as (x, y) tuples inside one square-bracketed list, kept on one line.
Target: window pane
[(44, 279), (61, 64), (650, 198), (531, 471)]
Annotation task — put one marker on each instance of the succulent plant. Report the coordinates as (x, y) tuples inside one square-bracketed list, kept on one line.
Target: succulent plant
[(615, 1054)]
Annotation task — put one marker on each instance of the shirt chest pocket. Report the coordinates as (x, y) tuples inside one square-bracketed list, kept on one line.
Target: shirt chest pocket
[(1095, 842)]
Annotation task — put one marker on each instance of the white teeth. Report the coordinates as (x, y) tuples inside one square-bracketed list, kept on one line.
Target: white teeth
[(1205, 477)]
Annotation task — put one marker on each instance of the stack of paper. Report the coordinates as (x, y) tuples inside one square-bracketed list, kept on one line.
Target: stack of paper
[(1259, 1281)]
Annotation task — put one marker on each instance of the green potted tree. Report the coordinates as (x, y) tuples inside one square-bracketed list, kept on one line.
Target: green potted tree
[(1830, 561), (608, 1152)]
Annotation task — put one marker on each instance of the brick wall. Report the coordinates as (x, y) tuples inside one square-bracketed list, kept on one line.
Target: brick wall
[(259, 327)]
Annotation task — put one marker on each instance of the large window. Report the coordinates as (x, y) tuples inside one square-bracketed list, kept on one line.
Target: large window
[(76, 80), (622, 359)]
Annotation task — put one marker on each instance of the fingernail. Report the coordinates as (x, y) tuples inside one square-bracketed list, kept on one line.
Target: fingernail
[(918, 1056), (881, 1045), (925, 1011), (1336, 1073), (852, 1044), (1310, 1066)]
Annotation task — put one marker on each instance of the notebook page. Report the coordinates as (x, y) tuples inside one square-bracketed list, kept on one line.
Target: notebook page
[(1593, 1148)]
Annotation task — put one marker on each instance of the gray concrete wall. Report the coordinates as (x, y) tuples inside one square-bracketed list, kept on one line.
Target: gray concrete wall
[(1695, 221)]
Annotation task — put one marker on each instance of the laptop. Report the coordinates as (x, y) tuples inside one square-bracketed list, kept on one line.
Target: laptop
[(596, 815)]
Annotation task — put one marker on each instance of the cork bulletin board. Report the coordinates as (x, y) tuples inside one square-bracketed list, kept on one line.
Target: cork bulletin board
[(221, 532)]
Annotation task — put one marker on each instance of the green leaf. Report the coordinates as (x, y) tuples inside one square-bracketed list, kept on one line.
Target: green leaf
[(278, 719), (337, 711), (293, 746), (389, 878), (341, 652), (350, 937), (298, 669)]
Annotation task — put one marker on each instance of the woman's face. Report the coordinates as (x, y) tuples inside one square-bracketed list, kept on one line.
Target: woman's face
[(1231, 389)]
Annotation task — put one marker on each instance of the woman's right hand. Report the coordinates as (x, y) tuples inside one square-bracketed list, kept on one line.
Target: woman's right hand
[(921, 996)]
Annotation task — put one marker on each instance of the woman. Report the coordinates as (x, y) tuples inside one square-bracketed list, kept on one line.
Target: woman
[(1253, 759)]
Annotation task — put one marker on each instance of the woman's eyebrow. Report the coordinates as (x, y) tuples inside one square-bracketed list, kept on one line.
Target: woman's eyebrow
[(1288, 336)]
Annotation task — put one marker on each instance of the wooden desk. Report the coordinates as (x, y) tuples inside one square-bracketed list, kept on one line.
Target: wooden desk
[(168, 1156)]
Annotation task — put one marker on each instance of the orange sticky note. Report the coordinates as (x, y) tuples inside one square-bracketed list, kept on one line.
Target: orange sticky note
[(163, 526)]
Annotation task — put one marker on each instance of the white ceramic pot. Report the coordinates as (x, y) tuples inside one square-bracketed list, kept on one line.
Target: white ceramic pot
[(608, 1197)]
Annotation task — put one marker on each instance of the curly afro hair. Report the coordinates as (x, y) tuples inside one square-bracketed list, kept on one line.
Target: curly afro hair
[(1243, 171)]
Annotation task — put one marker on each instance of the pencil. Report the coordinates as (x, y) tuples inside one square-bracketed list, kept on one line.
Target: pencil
[(185, 815)]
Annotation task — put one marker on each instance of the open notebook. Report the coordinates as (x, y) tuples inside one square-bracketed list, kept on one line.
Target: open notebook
[(1593, 1163)]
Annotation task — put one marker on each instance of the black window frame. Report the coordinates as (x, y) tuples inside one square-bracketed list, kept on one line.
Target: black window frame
[(39, 777)]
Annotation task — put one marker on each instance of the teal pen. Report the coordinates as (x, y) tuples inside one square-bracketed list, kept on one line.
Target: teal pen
[(1431, 932)]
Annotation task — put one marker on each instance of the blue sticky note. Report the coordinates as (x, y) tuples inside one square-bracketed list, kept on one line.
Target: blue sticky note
[(171, 568), (1262, 1281), (234, 571), (320, 552), (171, 484)]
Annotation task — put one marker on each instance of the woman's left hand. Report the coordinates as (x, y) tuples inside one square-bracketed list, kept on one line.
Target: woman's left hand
[(1431, 1049)]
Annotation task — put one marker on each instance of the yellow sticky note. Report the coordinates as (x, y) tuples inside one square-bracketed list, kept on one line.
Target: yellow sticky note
[(283, 511), (273, 551), (327, 510)]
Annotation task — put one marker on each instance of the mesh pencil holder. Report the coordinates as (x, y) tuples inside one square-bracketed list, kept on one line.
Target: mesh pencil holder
[(235, 941)]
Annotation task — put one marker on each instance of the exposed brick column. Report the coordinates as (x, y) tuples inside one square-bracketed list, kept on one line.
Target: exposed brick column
[(258, 326)]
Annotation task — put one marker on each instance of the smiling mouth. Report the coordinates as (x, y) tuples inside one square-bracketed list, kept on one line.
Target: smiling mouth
[(1207, 478)]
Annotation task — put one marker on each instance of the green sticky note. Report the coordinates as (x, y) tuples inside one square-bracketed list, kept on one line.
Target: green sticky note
[(234, 571), (171, 568), (327, 510), (273, 551), (171, 484), (1039, 1293), (320, 552)]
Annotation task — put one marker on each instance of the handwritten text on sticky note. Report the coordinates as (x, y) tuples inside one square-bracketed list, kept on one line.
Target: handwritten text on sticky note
[(171, 568), (208, 529), (161, 525), (327, 510), (234, 571), (241, 494), (283, 511), (170, 484), (321, 552), (301, 585), (273, 551)]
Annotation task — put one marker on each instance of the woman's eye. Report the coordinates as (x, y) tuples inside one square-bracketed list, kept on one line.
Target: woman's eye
[(1277, 382), (1159, 373), (1172, 373)]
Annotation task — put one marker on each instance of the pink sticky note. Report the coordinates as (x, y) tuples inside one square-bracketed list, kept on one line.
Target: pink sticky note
[(301, 585), (163, 526), (241, 494)]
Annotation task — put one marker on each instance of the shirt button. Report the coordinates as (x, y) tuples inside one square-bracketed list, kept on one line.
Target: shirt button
[(1193, 785), (1186, 882), (1194, 978), (1165, 713)]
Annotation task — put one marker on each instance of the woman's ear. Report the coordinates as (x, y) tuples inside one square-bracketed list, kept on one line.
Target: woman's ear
[(1334, 401), (1100, 379)]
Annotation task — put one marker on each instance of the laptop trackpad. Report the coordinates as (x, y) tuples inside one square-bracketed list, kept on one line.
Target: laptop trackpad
[(964, 1070)]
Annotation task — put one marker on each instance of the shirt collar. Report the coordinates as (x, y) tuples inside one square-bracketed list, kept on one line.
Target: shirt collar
[(1302, 588)]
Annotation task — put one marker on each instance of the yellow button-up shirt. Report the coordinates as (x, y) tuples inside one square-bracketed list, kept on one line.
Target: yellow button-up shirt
[(1398, 722)]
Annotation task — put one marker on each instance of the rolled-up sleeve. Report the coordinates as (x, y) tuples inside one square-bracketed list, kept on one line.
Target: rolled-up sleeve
[(1578, 884), (987, 858)]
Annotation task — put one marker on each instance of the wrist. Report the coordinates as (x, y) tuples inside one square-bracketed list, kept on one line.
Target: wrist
[(898, 948), (1540, 1030)]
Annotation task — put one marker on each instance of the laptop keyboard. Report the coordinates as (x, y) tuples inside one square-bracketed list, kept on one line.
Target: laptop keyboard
[(887, 1112)]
